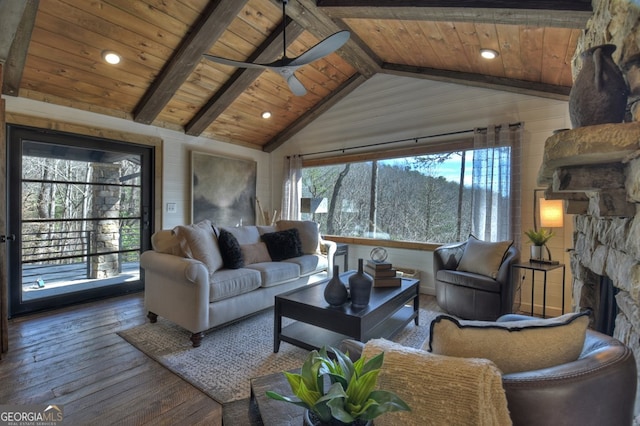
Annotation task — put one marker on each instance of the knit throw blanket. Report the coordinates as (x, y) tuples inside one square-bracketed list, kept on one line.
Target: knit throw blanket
[(440, 390)]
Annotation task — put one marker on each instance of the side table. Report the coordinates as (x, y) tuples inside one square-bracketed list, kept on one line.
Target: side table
[(342, 249), (272, 412), (544, 268)]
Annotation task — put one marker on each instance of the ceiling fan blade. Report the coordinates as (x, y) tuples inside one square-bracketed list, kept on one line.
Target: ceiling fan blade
[(233, 63), (322, 49), (296, 87)]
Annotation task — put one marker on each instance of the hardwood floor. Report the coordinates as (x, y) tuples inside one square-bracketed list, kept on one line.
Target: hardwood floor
[(74, 358)]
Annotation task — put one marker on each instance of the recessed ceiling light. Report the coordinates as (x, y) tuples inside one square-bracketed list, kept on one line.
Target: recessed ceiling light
[(111, 57), (266, 115), (488, 53)]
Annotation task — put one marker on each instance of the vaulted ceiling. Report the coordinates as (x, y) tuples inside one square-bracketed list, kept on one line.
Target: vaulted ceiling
[(51, 50)]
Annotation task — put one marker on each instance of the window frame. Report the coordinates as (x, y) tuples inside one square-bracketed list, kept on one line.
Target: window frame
[(458, 144)]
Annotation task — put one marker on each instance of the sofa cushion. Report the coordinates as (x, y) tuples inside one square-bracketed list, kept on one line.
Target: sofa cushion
[(308, 231), (468, 279), (309, 263), (198, 241), (244, 234), (439, 390), (227, 283), (230, 250), (513, 346), (255, 253), (276, 273), (483, 257), (265, 229), (283, 244)]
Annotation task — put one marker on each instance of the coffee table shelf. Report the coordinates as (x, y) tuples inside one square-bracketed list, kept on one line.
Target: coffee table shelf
[(311, 337), (317, 324)]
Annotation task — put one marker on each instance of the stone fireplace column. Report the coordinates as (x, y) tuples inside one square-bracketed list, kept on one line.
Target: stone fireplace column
[(105, 237)]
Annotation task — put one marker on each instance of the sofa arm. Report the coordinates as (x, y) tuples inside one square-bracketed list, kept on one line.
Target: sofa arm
[(176, 288), (353, 348), (328, 248)]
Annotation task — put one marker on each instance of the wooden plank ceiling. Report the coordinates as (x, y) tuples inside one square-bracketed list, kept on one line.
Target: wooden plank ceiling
[(55, 55)]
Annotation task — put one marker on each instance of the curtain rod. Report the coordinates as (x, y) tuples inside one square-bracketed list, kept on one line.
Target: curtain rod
[(518, 124)]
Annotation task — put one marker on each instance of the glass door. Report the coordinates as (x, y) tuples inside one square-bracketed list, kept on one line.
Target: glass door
[(79, 208)]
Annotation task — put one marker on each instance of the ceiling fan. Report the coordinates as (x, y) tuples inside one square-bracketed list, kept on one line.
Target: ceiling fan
[(287, 67)]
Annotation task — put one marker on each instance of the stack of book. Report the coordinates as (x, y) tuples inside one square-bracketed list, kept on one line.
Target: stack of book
[(383, 274)]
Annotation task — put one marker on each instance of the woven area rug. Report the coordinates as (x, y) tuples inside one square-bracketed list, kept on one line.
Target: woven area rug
[(230, 356)]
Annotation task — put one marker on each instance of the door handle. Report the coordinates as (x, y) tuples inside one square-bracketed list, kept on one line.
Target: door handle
[(5, 238)]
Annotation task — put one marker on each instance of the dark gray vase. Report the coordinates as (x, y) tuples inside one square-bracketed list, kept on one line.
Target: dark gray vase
[(360, 287), (335, 293), (599, 94)]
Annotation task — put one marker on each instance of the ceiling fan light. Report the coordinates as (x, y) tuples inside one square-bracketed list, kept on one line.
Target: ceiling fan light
[(488, 53), (266, 114), (111, 57)]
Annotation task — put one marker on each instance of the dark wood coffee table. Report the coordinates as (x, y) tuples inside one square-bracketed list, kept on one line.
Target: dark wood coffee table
[(318, 324)]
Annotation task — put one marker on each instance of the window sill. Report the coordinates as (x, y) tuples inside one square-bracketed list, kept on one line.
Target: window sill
[(408, 245)]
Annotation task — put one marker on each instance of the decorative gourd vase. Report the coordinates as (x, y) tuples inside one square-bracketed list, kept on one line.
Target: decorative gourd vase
[(335, 293), (599, 93), (360, 287)]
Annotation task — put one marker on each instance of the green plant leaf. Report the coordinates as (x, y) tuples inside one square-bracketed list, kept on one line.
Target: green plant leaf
[(386, 402)]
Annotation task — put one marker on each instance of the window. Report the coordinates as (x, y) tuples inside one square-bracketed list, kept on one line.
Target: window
[(434, 197)]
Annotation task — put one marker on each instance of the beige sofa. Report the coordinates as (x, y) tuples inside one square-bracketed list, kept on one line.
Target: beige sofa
[(189, 282)]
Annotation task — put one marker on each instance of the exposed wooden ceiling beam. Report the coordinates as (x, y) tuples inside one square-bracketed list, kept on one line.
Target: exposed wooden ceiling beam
[(320, 25), (10, 16), (480, 80), (337, 95), (14, 65), (549, 13), (270, 50), (214, 21)]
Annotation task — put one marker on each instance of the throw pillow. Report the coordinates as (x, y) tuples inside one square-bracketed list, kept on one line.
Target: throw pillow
[(166, 241), (230, 250), (199, 242), (283, 244), (309, 232), (255, 253), (483, 257), (439, 390), (513, 346)]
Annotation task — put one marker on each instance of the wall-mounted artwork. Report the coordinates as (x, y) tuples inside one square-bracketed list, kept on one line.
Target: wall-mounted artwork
[(223, 191)]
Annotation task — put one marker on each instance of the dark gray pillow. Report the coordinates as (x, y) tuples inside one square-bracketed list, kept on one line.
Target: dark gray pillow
[(283, 244), (230, 250)]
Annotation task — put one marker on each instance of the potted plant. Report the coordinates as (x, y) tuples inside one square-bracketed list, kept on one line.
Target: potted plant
[(350, 398), (538, 239)]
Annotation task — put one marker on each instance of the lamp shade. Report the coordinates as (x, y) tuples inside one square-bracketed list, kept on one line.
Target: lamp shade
[(551, 213), (313, 205)]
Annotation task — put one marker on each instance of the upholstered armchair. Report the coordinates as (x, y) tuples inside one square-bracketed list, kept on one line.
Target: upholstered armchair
[(553, 371), (473, 278)]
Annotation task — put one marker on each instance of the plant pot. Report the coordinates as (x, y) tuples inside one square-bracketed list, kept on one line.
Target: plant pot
[(311, 420), (536, 253)]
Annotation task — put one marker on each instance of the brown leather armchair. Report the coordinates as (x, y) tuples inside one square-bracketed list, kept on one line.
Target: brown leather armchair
[(469, 295), (599, 388)]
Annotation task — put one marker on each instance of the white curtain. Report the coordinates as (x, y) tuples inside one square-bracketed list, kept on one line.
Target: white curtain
[(496, 183), (292, 188)]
